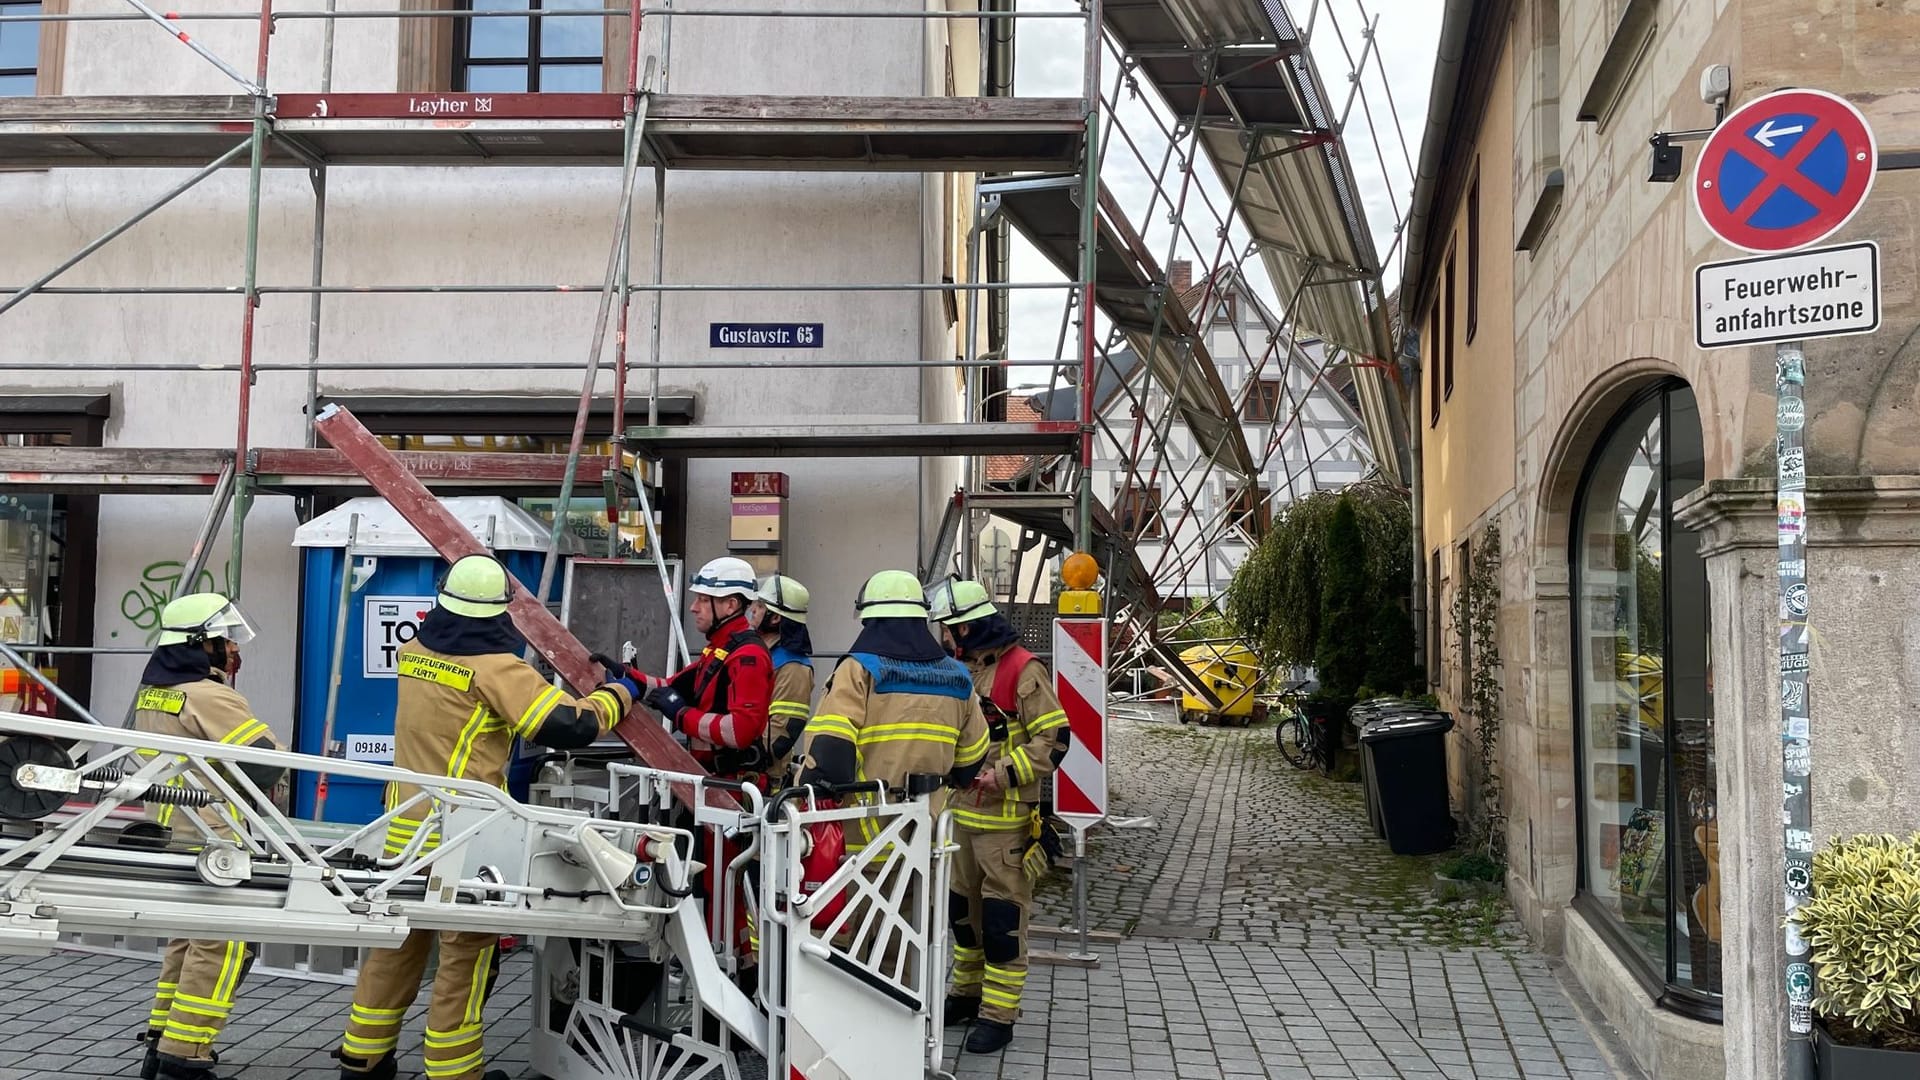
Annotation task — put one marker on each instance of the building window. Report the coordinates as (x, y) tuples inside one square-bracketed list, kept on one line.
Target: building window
[(1649, 842), (19, 51), (1140, 513), (1251, 512), (1263, 403), (1446, 344), (503, 54), (1473, 254), (1436, 606), (1433, 365)]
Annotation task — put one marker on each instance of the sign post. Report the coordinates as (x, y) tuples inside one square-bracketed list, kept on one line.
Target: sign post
[(1080, 682), (1785, 171)]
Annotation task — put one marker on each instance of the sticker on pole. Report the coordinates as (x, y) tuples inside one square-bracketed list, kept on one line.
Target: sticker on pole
[(1785, 170), (1080, 681)]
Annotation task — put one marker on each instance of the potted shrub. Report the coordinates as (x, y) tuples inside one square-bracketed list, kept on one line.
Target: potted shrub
[(1863, 930)]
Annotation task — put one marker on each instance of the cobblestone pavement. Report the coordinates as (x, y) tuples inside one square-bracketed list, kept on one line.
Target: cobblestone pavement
[(1266, 934)]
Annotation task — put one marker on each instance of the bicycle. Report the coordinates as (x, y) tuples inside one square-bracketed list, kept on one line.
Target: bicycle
[(1297, 738)]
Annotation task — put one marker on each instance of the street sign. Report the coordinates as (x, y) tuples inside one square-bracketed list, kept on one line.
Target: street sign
[(1826, 292), (1785, 170), (723, 335), (1080, 682)]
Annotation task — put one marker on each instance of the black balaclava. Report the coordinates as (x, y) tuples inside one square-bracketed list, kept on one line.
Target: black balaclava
[(444, 631), (985, 633), (905, 638)]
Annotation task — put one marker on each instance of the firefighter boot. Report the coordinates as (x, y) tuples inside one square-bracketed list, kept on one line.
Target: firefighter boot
[(150, 1068), (173, 1068), (961, 1010), (358, 1068), (989, 1037)]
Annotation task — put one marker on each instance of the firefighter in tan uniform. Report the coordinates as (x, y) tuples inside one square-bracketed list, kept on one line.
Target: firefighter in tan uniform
[(780, 614), (184, 693), (464, 696), (996, 821), (897, 707)]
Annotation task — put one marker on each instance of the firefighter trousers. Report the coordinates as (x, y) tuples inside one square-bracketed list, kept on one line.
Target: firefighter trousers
[(988, 913), (194, 999), (389, 982)]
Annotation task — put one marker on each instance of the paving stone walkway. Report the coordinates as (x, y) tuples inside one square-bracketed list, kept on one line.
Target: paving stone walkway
[(1266, 933)]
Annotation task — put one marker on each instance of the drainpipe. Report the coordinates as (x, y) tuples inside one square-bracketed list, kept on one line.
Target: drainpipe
[(1433, 147)]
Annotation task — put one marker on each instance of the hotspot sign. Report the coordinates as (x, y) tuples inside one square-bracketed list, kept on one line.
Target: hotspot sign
[(391, 622)]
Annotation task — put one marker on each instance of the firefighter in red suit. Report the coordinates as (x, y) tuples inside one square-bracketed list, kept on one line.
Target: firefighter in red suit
[(720, 701)]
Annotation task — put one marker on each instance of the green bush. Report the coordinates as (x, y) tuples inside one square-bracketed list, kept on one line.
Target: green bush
[(1472, 866), (1390, 649), (1341, 656), (1274, 600), (1863, 929)]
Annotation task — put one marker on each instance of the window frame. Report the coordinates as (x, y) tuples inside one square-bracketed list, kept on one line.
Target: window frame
[(1131, 498), (1452, 313), (1473, 253), (39, 45), (1433, 364), (1245, 513), (1258, 409), (464, 60), (1660, 985)]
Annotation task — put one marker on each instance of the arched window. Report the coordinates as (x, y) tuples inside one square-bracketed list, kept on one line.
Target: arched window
[(1649, 844)]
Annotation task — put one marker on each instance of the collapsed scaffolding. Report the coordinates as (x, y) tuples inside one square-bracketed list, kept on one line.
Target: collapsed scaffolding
[(1234, 84)]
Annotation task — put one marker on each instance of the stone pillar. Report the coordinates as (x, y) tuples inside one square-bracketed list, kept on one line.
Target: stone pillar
[(1863, 572)]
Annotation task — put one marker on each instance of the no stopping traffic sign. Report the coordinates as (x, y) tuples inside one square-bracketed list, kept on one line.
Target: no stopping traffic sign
[(1785, 170)]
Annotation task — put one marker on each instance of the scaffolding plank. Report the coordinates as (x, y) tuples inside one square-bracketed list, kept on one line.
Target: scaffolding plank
[(275, 467), (639, 730), (855, 440), (696, 131), (1128, 286), (1050, 514), (110, 469)]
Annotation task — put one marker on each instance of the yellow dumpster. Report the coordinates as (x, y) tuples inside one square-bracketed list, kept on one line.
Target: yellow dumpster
[(1232, 672)]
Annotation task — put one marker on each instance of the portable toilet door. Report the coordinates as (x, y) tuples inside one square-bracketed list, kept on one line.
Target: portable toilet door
[(396, 573)]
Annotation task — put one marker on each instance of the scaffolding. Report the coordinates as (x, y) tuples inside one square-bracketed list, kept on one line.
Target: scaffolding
[(1235, 87)]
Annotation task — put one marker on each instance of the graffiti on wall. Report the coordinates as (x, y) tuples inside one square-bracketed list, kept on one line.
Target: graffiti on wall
[(159, 583)]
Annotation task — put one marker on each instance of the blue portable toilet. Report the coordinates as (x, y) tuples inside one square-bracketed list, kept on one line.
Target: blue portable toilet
[(395, 571)]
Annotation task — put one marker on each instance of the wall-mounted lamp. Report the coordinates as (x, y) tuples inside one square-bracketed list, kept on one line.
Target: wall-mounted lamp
[(1716, 87)]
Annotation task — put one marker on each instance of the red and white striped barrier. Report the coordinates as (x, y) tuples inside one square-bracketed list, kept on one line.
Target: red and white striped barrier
[(1080, 681)]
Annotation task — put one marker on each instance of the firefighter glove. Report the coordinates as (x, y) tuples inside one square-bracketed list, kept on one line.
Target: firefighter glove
[(668, 702), (615, 669)]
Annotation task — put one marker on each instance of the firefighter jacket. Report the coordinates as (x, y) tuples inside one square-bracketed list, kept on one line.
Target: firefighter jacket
[(729, 690), (1029, 738), (183, 697), (895, 717), (790, 709), (459, 712)]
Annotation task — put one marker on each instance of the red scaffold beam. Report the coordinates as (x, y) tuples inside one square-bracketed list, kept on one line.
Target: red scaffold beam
[(423, 511)]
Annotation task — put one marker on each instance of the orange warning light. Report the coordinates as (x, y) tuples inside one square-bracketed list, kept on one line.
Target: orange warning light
[(1080, 571)]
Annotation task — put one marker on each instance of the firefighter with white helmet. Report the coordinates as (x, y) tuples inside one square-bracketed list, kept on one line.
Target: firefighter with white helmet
[(465, 694), (720, 701), (780, 614), (996, 821), (185, 692)]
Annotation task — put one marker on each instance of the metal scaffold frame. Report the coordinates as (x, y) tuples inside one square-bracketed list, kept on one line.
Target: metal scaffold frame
[(1224, 74)]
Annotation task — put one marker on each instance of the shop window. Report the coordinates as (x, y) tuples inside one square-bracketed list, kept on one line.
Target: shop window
[(1649, 841), (505, 54), (48, 546)]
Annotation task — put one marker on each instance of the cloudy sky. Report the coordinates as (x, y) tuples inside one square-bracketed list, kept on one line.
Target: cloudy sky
[(1049, 61)]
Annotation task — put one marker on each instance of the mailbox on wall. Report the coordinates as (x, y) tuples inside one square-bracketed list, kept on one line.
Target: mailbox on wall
[(395, 573)]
